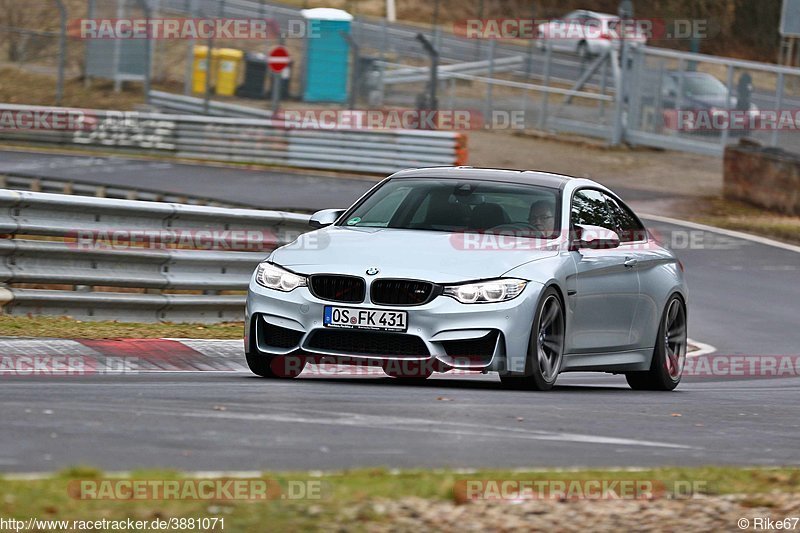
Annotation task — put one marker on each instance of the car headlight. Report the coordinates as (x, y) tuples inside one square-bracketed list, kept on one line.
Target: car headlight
[(272, 276), (497, 290)]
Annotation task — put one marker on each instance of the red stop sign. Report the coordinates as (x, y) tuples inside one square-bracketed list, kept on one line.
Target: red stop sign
[(278, 58)]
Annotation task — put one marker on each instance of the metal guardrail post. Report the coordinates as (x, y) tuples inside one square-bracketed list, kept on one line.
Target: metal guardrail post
[(778, 105), (729, 84), (489, 99), (209, 53), (681, 86), (148, 50), (603, 88), (617, 133), (637, 90), (531, 45), (548, 59), (625, 12), (189, 69), (355, 58), (62, 50), (433, 103)]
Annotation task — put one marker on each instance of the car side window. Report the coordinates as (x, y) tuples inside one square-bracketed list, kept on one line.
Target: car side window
[(592, 23), (628, 226), (589, 208)]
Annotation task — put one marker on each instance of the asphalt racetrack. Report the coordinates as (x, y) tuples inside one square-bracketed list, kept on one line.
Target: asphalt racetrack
[(744, 300)]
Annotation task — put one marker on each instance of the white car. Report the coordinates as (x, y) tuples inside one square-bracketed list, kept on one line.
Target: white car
[(528, 274), (589, 33)]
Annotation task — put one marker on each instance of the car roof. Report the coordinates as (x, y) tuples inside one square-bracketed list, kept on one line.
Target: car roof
[(594, 14), (690, 74), (525, 177)]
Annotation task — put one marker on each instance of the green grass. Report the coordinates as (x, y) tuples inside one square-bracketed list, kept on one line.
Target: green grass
[(739, 216), (68, 328), (48, 498)]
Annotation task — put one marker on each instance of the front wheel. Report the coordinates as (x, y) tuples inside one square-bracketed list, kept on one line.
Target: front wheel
[(276, 367), (669, 354), (545, 347)]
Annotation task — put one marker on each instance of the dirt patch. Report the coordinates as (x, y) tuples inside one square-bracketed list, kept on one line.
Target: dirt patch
[(19, 85), (663, 171)]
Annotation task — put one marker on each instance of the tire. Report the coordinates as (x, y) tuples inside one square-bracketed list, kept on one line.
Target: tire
[(545, 346), (583, 51), (669, 353), (275, 367)]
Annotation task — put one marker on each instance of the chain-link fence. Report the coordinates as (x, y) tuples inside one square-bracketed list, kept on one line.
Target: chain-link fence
[(701, 103), (670, 99)]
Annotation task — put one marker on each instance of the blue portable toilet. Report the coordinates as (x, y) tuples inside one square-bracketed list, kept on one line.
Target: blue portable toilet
[(327, 55)]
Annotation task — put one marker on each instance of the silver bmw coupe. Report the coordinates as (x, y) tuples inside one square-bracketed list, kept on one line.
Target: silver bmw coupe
[(524, 273)]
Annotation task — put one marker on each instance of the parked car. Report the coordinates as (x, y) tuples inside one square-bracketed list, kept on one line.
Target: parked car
[(588, 33), (528, 274), (705, 102)]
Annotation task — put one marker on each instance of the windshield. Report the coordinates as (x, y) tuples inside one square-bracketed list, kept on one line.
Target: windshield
[(460, 206)]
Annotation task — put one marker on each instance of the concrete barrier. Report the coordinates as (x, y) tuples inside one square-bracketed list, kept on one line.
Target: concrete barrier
[(766, 177)]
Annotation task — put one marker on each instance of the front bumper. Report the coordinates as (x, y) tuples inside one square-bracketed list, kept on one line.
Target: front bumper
[(490, 336)]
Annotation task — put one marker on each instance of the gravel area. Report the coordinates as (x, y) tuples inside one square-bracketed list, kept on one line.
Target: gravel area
[(708, 513)]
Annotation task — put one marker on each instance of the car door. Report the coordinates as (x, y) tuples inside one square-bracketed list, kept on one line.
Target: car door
[(607, 285), (649, 260), (567, 32)]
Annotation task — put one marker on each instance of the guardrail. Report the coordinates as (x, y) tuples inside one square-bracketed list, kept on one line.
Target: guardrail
[(241, 140), (405, 74), (178, 103), (36, 183), (94, 258)]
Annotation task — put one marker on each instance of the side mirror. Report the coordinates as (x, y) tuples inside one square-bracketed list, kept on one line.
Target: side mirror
[(326, 217), (594, 238)]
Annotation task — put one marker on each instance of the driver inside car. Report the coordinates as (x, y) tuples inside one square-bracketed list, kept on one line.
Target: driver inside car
[(542, 218)]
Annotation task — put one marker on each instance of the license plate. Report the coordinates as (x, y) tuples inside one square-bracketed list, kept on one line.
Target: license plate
[(352, 317)]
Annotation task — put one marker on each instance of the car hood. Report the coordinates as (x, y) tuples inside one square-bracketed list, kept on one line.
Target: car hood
[(435, 256)]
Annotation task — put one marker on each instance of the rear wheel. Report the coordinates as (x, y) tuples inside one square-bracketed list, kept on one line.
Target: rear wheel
[(276, 367), (669, 354), (545, 347)]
